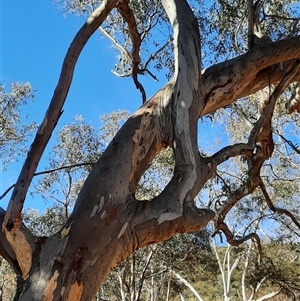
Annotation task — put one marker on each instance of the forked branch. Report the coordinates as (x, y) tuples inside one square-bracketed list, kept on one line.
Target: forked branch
[(237, 241), (173, 210), (261, 138), (250, 70)]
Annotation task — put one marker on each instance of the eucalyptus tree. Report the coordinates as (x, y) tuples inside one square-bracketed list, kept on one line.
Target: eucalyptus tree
[(157, 272), (245, 276), (108, 222), (151, 272), (13, 128)]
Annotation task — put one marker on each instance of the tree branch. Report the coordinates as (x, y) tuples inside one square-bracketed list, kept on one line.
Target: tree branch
[(152, 56), (180, 98), (293, 104), (289, 142), (142, 276), (187, 284), (121, 49), (252, 71), (5, 249), (22, 242), (232, 151), (47, 172), (276, 209), (261, 136), (267, 113), (269, 296), (129, 18), (236, 242), (173, 210)]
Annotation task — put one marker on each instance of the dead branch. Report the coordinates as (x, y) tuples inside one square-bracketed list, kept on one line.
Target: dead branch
[(236, 242), (276, 209), (129, 18), (261, 136)]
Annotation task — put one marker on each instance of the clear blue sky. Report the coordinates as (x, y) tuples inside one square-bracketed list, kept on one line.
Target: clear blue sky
[(35, 36)]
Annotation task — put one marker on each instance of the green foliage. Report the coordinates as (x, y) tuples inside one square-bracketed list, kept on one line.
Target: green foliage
[(14, 131), (224, 25), (280, 267), (7, 281), (216, 19), (48, 223)]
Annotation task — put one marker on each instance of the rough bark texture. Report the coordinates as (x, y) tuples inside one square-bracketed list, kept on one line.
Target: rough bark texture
[(108, 223)]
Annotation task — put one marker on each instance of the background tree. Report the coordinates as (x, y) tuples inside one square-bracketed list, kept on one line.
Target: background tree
[(13, 128), (155, 273), (108, 221)]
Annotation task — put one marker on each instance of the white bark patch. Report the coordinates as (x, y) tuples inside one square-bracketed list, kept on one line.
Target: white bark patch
[(123, 230), (97, 208), (168, 216), (186, 99), (94, 211), (94, 261), (103, 215), (101, 203)]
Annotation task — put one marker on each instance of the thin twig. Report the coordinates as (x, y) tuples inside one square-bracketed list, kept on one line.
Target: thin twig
[(47, 172), (290, 143), (276, 209)]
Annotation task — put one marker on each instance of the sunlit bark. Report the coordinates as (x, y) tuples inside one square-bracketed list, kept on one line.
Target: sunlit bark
[(108, 223)]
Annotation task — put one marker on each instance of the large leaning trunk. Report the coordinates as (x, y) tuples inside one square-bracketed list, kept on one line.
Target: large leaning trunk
[(108, 223)]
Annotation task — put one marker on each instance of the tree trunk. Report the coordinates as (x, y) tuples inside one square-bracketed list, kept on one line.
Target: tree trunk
[(187, 284), (108, 223)]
